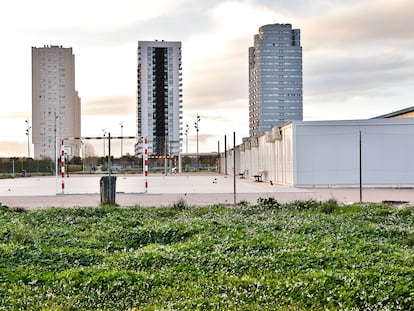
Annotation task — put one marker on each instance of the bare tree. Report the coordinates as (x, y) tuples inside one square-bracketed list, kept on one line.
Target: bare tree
[(90, 159)]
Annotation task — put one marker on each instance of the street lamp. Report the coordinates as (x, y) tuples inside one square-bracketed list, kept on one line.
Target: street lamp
[(28, 138), (196, 127), (122, 134), (55, 149), (187, 127), (103, 138)]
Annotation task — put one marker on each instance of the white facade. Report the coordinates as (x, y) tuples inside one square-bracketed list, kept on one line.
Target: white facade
[(55, 103), (327, 153), (159, 96), (275, 78)]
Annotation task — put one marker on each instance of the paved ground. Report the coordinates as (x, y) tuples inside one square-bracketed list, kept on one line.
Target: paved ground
[(45, 192)]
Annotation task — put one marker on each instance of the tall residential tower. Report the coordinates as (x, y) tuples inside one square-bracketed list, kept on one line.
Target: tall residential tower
[(159, 98), (275, 78), (55, 103)]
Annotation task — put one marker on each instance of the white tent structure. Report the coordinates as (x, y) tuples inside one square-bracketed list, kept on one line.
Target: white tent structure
[(379, 152)]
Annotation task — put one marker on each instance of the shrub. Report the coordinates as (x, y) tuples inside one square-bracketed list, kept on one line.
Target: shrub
[(75, 168), (268, 202), (303, 205)]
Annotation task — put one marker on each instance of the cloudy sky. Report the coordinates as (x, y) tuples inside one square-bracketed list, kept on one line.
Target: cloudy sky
[(357, 59)]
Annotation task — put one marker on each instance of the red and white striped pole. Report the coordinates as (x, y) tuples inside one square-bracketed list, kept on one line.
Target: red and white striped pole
[(145, 162), (62, 165)]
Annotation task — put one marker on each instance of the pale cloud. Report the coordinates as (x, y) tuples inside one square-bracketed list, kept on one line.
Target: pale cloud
[(363, 75), (16, 115), (357, 57), (106, 71), (235, 19), (215, 121), (218, 57), (109, 106), (364, 22), (231, 21), (9, 148), (217, 80), (107, 113), (101, 15)]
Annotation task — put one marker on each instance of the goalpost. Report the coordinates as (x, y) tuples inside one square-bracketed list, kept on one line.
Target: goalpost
[(63, 153)]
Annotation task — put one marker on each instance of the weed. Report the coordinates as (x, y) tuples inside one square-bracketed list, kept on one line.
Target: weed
[(181, 204), (406, 211), (410, 240), (18, 210), (328, 207), (243, 203)]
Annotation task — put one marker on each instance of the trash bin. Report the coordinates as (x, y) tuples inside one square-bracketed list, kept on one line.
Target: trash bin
[(108, 189)]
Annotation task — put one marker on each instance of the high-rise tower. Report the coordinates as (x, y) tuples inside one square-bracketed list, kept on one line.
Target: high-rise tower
[(159, 98), (55, 103), (275, 78)]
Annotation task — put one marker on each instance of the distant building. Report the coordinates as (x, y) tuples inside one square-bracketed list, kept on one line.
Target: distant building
[(403, 113), (55, 103), (159, 97), (275, 78)]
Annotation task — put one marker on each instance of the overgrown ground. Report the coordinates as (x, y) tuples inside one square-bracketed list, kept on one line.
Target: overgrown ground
[(300, 256)]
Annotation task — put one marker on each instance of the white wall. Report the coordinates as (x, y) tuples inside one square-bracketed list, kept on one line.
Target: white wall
[(274, 157), (325, 153), (328, 152)]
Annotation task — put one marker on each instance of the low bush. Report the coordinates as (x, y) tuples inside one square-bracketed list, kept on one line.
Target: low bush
[(303, 205), (268, 203)]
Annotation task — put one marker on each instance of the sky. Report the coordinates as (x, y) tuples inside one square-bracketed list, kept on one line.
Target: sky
[(357, 60)]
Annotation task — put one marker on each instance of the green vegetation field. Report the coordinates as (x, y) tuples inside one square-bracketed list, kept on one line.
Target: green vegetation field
[(299, 256)]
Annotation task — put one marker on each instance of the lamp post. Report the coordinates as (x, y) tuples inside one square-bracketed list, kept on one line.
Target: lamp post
[(103, 138), (196, 127), (56, 142), (187, 127), (28, 138), (122, 134), (83, 156)]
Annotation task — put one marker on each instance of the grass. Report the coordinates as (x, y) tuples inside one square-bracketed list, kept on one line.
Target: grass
[(306, 255)]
